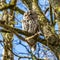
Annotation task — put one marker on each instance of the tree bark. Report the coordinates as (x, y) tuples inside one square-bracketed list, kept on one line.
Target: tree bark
[(8, 19), (8, 40)]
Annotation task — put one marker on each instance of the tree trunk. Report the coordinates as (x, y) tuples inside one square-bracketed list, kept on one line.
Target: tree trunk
[(8, 19), (7, 47), (8, 38)]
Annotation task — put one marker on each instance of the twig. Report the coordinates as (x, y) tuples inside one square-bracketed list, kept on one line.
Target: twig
[(33, 36), (51, 16)]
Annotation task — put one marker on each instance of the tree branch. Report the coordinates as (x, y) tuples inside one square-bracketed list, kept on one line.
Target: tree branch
[(39, 12), (14, 30), (19, 10), (28, 3), (11, 6)]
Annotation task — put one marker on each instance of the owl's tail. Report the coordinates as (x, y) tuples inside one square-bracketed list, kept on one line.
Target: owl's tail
[(32, 44)]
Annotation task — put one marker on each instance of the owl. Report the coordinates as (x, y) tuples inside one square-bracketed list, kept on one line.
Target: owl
[(30, 24)]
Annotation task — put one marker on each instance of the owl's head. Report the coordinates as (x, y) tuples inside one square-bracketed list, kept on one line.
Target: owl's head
[(30, 15), (33, 14)]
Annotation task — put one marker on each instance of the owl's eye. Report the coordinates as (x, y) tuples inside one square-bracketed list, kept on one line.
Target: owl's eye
[(30, 14), (25, 15), (27, 20)]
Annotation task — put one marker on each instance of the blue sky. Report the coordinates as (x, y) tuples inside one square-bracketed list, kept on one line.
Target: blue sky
[(17, 47)]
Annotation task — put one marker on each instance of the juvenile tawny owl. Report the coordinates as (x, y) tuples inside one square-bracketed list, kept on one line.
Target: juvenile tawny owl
[(30, 24)]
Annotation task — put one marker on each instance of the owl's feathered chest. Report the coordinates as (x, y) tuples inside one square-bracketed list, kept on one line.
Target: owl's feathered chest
[(30, 23)]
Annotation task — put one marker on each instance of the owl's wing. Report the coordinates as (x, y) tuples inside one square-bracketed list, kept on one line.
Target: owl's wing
[(25, 25)]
